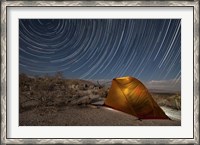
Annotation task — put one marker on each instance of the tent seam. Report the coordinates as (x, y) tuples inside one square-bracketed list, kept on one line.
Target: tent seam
[(126, 99)]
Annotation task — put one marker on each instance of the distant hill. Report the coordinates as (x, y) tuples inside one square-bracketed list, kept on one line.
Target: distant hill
[(163, 91), (104, 83)]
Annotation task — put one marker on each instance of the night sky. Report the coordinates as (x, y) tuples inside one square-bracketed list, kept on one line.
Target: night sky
[(148, 49)]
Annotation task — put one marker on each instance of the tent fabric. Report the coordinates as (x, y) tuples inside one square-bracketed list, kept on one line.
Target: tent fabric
[(129, 95)]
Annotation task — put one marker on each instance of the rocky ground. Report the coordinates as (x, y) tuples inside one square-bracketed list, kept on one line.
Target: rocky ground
[(55, 101)]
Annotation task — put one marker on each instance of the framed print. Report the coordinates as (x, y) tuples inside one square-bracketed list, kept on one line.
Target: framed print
[(100, 72)]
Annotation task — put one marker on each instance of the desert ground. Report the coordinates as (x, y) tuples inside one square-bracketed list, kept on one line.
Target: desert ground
[(55, 101)]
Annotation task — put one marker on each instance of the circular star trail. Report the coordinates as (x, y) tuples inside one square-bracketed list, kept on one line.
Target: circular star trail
[(148, 49)]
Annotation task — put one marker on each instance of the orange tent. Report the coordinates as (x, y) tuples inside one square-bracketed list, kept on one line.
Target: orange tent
[(129, 95)]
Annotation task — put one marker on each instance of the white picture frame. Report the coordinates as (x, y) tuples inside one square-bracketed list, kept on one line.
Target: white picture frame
[(143, 6)]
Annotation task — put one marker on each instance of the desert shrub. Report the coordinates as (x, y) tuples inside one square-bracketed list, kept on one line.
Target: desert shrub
[(55, 90), (168, 100)]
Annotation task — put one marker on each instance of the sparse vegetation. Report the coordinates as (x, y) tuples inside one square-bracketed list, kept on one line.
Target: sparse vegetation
[(56, 91), (53, 100), (168, 99)]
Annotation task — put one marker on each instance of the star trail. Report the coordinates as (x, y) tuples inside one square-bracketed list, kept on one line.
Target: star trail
[(148, 49)]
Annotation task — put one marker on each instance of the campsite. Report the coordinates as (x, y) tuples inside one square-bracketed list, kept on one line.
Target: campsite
[(63, 64), (57, 101)]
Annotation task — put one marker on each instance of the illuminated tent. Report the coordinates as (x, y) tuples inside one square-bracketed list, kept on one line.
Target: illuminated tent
[(129, 95)]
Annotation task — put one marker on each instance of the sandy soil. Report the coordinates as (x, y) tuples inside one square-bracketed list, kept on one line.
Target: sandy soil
[(89, 116), (55, 101)]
